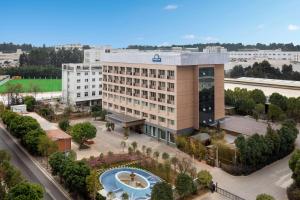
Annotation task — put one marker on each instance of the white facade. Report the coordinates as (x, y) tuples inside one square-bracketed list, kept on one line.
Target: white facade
[(214, 49), (10, 59), (165, 58), (82, 83), (292, 56), (93, 55), (68, 47)]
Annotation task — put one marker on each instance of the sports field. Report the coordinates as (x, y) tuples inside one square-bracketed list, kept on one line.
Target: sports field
[(44, 85)]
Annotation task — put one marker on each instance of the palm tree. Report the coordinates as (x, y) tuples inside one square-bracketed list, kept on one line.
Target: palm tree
[(174, 161), (125, 196), (134, 145), (144, 149), (156, 155), (165, 156), (148, 151), (123, 145)]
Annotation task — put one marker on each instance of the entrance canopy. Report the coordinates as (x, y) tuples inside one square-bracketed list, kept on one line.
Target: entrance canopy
[(124, 120)]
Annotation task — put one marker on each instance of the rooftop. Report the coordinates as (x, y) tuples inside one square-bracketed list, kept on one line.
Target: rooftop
[(245, 125), (165, 58), (274, 82), (57, 134)]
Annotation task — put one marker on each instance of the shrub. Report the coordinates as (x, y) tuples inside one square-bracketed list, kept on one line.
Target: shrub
[(30, 103), (64, 124), (293, 192), (184, 185), (162, 191), (264, 197), (204, 178)]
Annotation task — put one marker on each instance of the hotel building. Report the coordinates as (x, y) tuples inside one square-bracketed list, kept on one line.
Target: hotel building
[(163, 93)]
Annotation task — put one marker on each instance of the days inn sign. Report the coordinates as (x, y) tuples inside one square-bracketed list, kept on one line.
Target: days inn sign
[(156, 58)]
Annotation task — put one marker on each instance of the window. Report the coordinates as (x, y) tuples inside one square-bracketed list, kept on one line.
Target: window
[(78, 94), (93, 86), (86, 87), (93, 79), (93, 93), (161, 119), (160, 107), (78, 87), (86, 80), (78, 74), (100, 92), (93, 73), (78, 80), (86, 73), (86, 94)]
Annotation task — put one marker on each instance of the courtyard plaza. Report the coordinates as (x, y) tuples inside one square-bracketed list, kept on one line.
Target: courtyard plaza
[(272, 179)]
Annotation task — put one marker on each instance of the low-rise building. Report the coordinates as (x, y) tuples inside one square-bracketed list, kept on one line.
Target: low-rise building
[(10, 59)]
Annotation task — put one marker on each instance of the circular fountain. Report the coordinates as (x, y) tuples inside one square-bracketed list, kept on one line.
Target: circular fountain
[(135, 182)]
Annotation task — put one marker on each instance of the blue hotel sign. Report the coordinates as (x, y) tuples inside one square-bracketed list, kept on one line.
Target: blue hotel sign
[(156, 58)]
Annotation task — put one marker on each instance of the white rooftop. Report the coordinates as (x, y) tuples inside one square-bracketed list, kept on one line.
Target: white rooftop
[(266, 81), (165, 58)]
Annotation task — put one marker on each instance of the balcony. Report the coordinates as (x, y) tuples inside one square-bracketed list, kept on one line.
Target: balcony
[(171, 102), (129, 93), (145, 96), (129, 73), (122, 72), (161, 100), (122, 91), (161, 76), (144, 85), (136, 73), (128, 83), (153, 98), (170, 77), (170, 89), (161, 88), (144, 74), (152, 75), (152, 86), (136, 84), (136, 94)]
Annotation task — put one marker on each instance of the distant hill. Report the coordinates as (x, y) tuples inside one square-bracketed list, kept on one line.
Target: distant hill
[(229, 46)]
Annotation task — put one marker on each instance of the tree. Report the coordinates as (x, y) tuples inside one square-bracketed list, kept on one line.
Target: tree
[(75, 174), (31, 140), (184, 185), (149, 151), (123, 145), (82, 132), (55, 160), (264, 197), (144, 149), (46, 146), (34, 88), (259, 110), (162, 191), (174, 162), (21, 125), (278, 100), (64, 124), (26, 191), (156, 155), (204, 178), (275, 113), (92, 184), (125, 196), (237, 71), (294, 164), (258, 96), (165, 156), (134, 145), (30, 103)]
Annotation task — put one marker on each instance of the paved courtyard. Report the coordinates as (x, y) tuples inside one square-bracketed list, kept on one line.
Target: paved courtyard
[(273, 179)]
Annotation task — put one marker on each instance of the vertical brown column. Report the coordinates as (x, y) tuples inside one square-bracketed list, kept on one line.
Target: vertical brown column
[(219, 92), (196, 97)]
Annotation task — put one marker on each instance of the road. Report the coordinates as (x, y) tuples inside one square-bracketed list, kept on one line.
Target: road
[(28, 169)]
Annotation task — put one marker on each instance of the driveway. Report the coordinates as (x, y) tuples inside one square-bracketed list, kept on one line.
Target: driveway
[(273, 179)]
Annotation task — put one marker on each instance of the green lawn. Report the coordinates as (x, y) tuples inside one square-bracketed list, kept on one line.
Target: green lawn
[(45, 85)]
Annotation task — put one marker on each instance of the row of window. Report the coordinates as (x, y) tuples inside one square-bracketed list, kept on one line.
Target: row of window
[(153, 96), (87, 86), (86, 94), (159, 73), (138, 113), (87, 73), (86, 80)]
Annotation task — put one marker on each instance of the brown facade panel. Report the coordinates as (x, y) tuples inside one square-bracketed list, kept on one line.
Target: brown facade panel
[(219, 92)]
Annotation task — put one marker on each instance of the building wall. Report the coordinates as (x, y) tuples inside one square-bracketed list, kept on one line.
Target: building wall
[(64, 144), (185, 93), (81, 83), (219, 92)]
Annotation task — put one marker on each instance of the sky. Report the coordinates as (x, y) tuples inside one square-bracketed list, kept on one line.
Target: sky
[(149, 22)]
